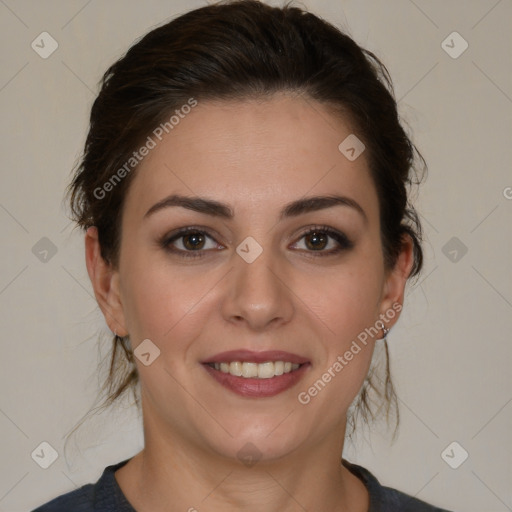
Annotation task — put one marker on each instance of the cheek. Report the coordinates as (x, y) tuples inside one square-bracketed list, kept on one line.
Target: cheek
[(161, 302), (344, 302), (345, 306)]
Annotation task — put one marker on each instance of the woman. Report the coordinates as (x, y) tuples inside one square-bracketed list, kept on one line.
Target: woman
[(249, 239)]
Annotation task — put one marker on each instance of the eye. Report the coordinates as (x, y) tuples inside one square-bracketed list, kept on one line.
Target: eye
[(192, 242), (188, 242), (317, 239)]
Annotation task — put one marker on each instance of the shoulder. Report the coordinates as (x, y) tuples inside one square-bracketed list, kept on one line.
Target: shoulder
[(393, 500), (79, 500), (102, 496), (386, 499)]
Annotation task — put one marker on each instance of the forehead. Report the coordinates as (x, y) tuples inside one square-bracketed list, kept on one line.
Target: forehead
[(255, 154)]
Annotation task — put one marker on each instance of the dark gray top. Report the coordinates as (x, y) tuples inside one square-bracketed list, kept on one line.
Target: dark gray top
[(106, 496)]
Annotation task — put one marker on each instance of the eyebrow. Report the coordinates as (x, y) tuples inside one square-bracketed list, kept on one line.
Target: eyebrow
[(222, 210)]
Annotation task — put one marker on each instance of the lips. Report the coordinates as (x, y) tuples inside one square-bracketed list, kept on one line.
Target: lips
[(254, 384)]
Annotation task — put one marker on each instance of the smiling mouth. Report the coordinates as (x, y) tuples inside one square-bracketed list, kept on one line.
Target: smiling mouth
[(249, 370)]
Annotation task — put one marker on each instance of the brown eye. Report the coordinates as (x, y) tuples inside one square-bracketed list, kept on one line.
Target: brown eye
[(193, 240), (316, 240), (189, 242), (319, 238)]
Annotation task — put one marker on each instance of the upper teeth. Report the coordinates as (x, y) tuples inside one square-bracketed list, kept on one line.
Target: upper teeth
[(254, 370)]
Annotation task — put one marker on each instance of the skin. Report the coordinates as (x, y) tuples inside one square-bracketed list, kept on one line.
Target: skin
[(255, 156)]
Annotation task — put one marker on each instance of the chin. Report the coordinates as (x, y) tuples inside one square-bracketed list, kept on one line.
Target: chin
[(258, 441)]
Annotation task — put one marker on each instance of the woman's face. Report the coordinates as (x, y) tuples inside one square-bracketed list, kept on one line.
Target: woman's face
[(253, 280)]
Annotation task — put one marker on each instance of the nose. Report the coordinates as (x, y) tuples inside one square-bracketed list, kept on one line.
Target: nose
[(259, 293)]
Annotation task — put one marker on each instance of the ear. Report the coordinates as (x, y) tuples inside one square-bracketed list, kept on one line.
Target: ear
[(105, 281), (394, 286)]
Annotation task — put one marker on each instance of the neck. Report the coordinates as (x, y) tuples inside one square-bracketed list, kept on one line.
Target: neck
[(175, 474)]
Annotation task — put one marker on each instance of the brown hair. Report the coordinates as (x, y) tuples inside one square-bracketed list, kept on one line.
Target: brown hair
[(238, 50)]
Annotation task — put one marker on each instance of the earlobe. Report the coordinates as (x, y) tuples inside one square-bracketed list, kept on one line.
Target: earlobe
[(394, 288), (105, 282)]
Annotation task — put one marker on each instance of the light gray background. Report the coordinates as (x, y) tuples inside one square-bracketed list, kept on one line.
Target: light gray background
[(451, 352)]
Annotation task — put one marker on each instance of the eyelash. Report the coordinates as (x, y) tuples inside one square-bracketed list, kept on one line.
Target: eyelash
[(340, 238)]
